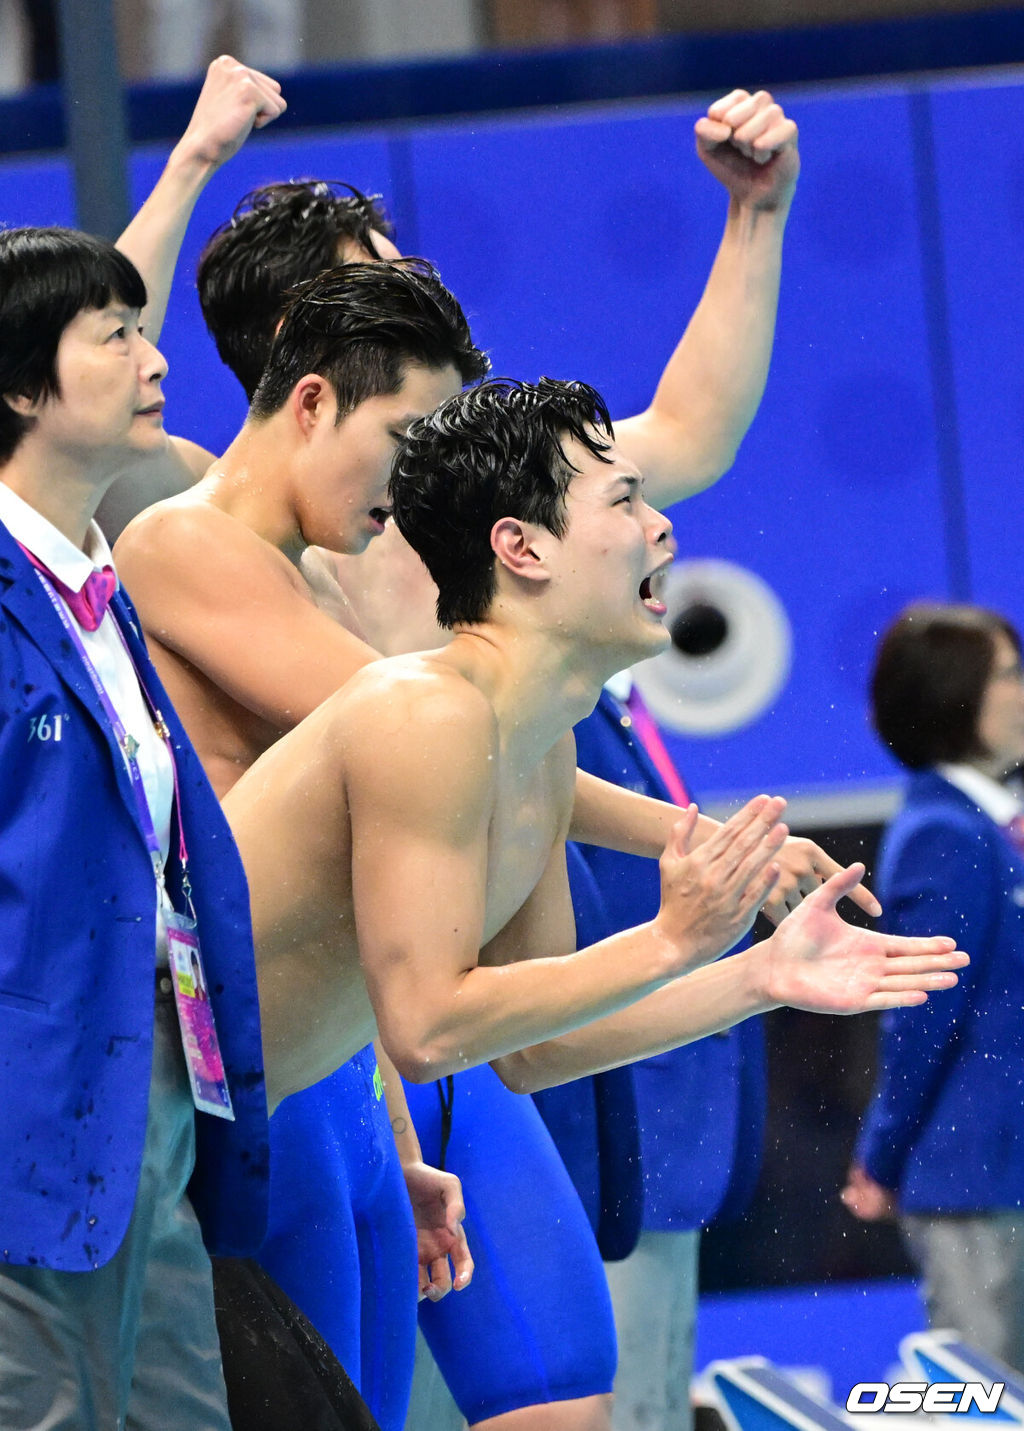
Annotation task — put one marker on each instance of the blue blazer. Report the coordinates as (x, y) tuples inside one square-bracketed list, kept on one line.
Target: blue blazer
[(77, 923), (700, 1108), (945, 1127)]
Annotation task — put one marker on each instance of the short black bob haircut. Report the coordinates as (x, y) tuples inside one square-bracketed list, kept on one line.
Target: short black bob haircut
[(358, 325), (47, 277), (278, 235), (930, 674), (494, 451)]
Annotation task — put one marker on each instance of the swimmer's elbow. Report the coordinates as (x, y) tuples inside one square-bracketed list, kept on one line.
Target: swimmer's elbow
[(420, 1055), (430, 1036), (417, 1068), (522, 1074)]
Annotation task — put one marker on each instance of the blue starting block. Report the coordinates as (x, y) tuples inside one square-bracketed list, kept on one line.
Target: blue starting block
[(754, 1395), (943, 1356)]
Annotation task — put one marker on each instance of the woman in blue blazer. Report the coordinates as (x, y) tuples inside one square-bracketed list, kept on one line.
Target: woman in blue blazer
[(109, 1181), (942, 1144)]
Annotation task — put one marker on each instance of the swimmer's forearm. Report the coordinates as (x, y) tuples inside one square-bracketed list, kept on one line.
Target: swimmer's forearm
[(234, 98), (716, 379), (615, 819), (486, 1013), (704, 1002), (154, 237), (710, 390), (406, 1139)]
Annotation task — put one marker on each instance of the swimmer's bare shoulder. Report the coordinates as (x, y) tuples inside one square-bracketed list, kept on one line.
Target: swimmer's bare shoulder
[(411, 747), (183, 559), (214, 593), (417, 721), (153, 478)]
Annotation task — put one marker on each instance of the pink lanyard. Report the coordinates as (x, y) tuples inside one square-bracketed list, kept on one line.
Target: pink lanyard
[(649, 737)]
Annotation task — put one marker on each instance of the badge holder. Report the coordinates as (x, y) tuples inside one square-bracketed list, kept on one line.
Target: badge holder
[(199, 1041), (191, 991), (195, 1016)]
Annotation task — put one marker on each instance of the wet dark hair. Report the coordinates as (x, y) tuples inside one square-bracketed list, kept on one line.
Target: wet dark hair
[(278, 235), (47, 277), (359, 325), (930, 674), (495, 451)]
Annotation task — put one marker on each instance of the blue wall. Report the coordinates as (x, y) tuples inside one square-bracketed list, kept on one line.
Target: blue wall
[(884, 462)]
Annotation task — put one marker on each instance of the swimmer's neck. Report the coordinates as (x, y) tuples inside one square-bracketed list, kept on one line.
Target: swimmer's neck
[(254, 482), (538, 686)]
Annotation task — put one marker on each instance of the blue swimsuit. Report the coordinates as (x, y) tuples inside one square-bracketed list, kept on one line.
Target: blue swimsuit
[(341, 1240), (535, 1324)]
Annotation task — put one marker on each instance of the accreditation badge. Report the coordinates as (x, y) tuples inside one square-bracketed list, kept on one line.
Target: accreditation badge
[(195, 1018)]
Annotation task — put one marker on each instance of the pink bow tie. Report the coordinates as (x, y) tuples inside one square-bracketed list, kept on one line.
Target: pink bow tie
[(88, 606)]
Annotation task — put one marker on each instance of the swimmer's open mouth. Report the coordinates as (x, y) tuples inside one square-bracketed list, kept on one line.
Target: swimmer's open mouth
[(380, 515), (650, 589)]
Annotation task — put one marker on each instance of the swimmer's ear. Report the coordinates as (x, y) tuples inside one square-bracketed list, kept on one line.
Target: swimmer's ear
[(312, 400), (22, 404), (514, 544)]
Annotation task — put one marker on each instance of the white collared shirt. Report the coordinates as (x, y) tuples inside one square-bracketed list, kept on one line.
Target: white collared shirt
[(104, 646), (991, 798)]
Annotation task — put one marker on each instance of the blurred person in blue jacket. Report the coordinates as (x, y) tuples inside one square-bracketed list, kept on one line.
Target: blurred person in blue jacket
[(942, 1144)]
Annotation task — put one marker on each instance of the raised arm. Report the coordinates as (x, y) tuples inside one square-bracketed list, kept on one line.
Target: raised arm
[(420, 869), (710, 390), (233, 101), (814, 961)]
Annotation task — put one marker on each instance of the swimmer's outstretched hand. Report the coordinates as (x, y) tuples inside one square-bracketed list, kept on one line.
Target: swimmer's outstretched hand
[(233, 101), (445, 1261), (750, 146), (816, 961), (803, 868), (710, 894)]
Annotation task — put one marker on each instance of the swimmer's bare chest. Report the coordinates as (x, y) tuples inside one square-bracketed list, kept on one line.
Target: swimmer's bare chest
[(528, 824), (528, 820)]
